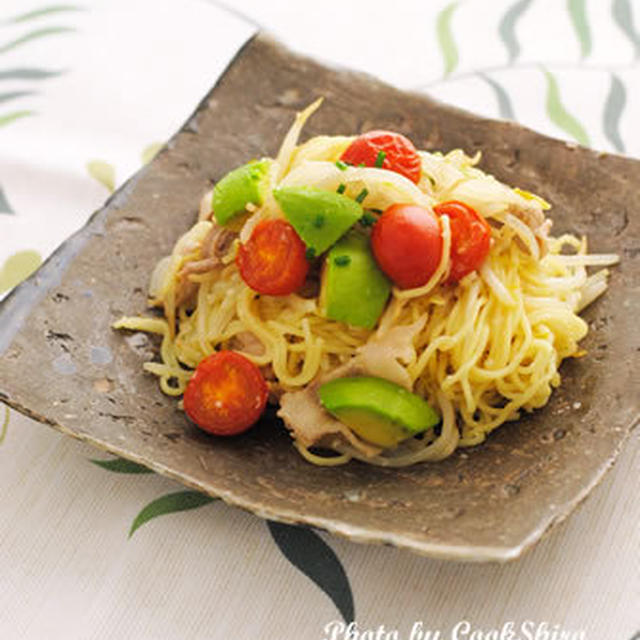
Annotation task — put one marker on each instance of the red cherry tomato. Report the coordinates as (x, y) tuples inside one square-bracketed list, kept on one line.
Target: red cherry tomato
[(273, 261), (470, 238), (407, 244), (398, 152), (226, 395)]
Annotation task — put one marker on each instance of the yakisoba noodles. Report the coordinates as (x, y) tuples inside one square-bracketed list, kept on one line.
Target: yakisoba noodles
[(480, 350)]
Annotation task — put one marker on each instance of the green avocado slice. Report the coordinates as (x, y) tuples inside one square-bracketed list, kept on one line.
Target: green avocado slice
[(377, 410), (353, 289), (320, 217), (238, 188)]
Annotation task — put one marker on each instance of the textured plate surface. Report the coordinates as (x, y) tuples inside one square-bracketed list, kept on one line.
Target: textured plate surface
[(60, 362)]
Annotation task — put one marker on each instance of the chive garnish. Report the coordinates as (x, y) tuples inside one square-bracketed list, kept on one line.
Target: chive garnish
[(342, 261), (368, 219), (318, 221), (380, 158), (341, 188), (310, 253), (341, 165), (362, 164), (362, 195)]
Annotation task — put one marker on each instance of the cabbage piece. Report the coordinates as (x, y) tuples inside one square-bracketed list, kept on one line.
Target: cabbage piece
[(328, 148), (383, 187), (290, 141)]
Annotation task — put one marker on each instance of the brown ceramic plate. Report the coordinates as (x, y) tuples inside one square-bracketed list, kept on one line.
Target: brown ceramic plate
[(61, 364)]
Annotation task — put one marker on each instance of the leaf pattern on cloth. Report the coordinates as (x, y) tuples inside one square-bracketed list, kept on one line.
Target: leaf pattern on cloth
[(120, 465), (14, 115), (14, 95), (5, 424), (150, 152), (28, 73), (170, 503), (623, 16), (17, 267), (103, 172), (578, 14), (44, 11), (34, 35), (559, 115), (504, 102), (507, 28), (5, 207), (614, 107), (309, 553), (446, 42)]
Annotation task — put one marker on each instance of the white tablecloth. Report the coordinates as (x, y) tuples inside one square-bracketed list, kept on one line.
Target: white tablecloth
[(86, 93)]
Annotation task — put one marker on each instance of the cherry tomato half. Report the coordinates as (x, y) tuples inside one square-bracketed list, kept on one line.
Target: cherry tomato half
[(226, 395), (395, 150), (407, 244), (470, 238), (273, 261)]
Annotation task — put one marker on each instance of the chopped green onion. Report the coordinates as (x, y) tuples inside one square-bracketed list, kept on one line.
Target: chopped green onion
[(380, 158), (362, 164), (342, 165), (341, 188), (362, 195), (318, 221), (368, 219), (342, 261), (310, 253)]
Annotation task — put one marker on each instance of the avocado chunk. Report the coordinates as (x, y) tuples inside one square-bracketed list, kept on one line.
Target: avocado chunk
[(379, 411), (320, 217), (353, 288), (244, 185)]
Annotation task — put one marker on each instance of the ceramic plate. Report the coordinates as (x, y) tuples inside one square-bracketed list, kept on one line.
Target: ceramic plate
[(61, 364)]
